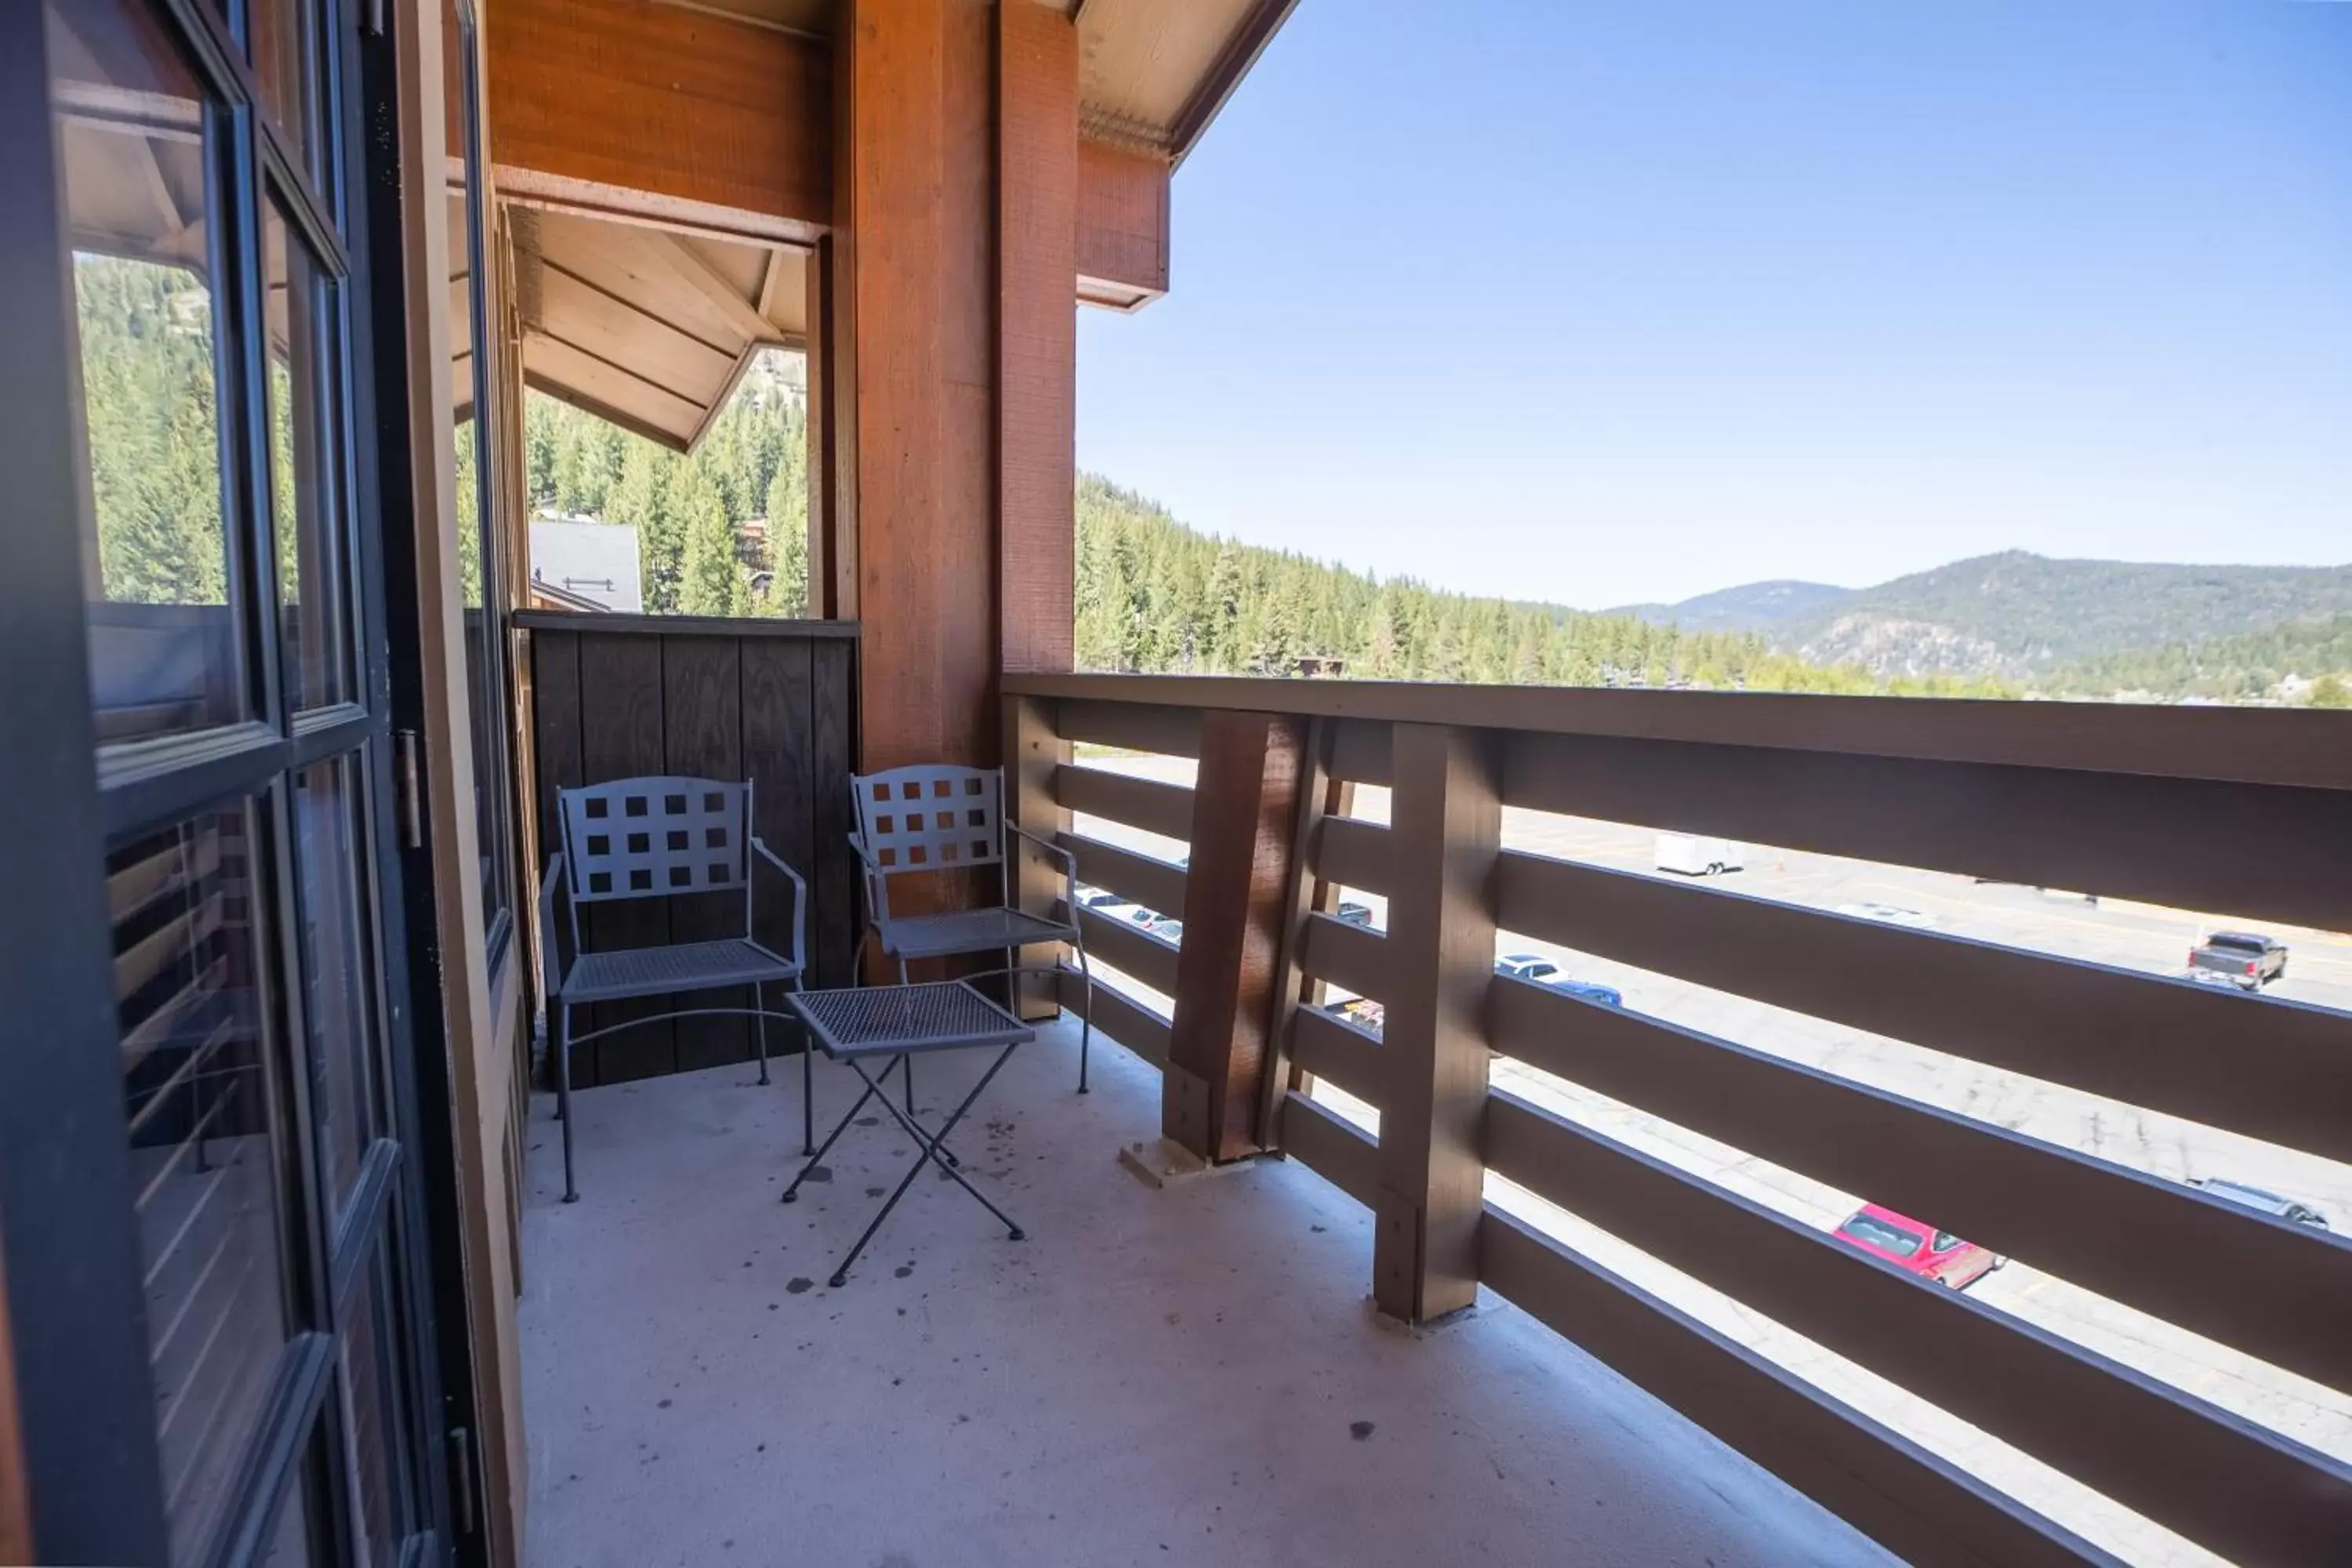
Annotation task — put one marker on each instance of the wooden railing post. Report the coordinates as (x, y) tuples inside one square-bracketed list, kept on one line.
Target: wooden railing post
[(1319, 795), (1445, 836), (1237, 906), (1034, 748)]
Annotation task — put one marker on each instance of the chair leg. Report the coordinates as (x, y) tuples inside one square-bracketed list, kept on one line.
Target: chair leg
[(563, 1093), (908, 1062), (1086, 1014), (760, 1004), (808, 1088)]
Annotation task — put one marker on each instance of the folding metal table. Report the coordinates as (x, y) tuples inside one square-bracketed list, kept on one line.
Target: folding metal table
[(897, 1023)]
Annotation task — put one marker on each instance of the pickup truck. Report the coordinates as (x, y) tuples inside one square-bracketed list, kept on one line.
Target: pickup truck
[(2245, 959)]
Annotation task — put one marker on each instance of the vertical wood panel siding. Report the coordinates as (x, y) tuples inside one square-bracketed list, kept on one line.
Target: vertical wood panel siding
[(773, 701)]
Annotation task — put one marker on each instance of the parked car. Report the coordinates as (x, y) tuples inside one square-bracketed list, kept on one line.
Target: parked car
[(1168, 927), (1544, 972), (1888, 914), (1093, 897), (1360, 1011), (1355, 915), (2246, 959), (1694, 856), (1128, 914), (2259, 1198), (1919, 1247)]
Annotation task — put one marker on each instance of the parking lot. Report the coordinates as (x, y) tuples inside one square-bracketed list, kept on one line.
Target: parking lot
[(2128, 935)]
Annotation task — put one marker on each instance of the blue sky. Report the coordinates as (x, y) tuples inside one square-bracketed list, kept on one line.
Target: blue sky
[(1599, 302)]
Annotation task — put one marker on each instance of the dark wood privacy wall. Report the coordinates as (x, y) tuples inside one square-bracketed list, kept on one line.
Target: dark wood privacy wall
[(618, 697)]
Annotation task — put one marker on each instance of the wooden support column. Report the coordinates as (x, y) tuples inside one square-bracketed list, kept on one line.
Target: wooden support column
[(1237, 904), (16, 1496), (913, 393), (1037, 336), (1032, 752), (1444, 837)]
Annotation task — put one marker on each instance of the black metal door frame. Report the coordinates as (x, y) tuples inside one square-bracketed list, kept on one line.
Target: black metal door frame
[(68, 1236)]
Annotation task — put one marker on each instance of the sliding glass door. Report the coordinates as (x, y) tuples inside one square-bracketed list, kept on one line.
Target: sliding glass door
[(241, 1280)]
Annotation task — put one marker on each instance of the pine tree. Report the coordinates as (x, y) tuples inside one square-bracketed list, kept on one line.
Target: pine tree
[(711, 582)]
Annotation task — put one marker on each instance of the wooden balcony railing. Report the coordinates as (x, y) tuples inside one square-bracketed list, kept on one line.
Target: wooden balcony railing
[(2247, 812)]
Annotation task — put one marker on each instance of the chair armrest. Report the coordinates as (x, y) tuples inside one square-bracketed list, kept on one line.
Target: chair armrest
[(1059, 852), (551, 960), (877, 884), (1069, 866), (800, 902)]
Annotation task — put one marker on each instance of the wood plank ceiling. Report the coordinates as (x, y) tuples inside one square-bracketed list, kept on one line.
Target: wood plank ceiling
[(644, 327)]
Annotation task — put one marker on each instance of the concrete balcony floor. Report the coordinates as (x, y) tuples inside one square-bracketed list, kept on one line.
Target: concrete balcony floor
[(1188, 1376)]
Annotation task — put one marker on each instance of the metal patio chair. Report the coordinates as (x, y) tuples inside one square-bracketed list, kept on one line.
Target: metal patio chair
[(649, 838), (929, 818)]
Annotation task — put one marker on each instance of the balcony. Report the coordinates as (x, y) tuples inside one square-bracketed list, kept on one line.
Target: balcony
[(1153, 1376), (1669, 1358)]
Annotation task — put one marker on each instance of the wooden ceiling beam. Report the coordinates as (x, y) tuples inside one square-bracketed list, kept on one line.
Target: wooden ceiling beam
[(1122, 226), (629, 107)]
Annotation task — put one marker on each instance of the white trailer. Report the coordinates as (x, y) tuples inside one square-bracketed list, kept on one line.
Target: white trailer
[(1694, 855)]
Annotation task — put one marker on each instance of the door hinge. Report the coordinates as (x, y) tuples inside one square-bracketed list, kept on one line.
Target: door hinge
[(404, 749), (372, 17), (462, 1480)]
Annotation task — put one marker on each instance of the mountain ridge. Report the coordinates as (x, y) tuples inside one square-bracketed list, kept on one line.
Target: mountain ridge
[(2015, 615)]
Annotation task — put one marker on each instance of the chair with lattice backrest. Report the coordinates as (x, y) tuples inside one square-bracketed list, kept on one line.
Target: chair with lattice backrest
[(653, 838), (933, 819)]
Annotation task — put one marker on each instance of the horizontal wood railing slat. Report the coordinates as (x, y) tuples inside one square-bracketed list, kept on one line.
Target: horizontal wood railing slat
[(1131, 950), (2141, 1039), (1353, 854), (1341, 1052), (2253, 745), (1151, 805), (1129, 726), (1360, 750), (1331, 1146), (2217, 1479), (1124, 1019), (2286, 856), (2273, 1289), (1347, 956), (1921, 1507), (1138, 879)]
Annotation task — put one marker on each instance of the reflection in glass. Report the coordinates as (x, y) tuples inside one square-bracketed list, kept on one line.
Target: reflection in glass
[(371, 1419), (304, 499), (280, 53), (338, 1008), (476, 514), (206, 1140), (293, 1543), (137, 137)]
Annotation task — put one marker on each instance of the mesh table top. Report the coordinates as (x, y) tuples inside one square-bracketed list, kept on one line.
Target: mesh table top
[(889, 1020)]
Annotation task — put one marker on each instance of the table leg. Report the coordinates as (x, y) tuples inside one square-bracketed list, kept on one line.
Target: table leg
[(833, 1137), (932, 1148)]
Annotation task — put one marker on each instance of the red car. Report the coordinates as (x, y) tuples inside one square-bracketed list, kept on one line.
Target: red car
[(1919, 1247)]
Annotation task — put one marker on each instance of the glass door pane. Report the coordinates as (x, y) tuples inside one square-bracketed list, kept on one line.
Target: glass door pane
[(338, 970), (207, 1142), (138, 140), (305, 470)]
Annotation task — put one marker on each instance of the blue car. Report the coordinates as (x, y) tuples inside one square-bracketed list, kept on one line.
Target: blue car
[(1544, 972)]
